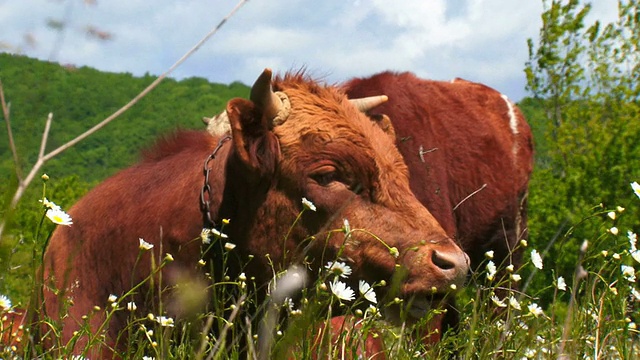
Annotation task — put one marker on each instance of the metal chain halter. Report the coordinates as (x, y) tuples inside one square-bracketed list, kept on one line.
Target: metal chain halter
[(205, 193)]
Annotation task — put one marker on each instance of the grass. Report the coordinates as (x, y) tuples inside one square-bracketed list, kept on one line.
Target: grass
[(591, 315)]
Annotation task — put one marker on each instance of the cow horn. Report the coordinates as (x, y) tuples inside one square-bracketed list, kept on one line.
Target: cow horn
[(263, 96), (368, 103)]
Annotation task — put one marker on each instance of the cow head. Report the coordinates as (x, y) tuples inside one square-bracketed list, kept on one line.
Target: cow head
[(308, 140)]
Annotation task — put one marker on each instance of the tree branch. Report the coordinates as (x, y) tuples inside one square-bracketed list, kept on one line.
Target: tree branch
[(42, 158)]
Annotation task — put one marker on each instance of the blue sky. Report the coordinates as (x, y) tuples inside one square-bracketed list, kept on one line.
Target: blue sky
[(481, 40)]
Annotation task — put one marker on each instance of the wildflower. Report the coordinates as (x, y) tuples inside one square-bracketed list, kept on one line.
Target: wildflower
[(614, 230), (58, 216), (44, 177), (489, 254), (491, 270), (561, 284), (612, 215), (49, 204), (633, 239), (201, 262), (536, 259), (165, 321), (219, 234), (308, 204), (628, 272), (616, 256), (453, 287), (371, 310), (529, 353), (131, 306), (112, 298), (584, 246), (394, 252), (225, 221), (524, 243), (497, 301), (338, 268), (5, 303), (620, 209), (168, 257), (516, 277), (367, 291), (242, 277), (144, 245), (513, 302), (510, 268), (632, 326), (341, 290), (635, 293), (535, 310), (636, 188), (604, 253), (229, 246), (204, 236), (346, 227)]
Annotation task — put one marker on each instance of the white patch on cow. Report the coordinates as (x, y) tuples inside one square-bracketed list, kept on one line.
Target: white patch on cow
[(513, 119), (218, 125)]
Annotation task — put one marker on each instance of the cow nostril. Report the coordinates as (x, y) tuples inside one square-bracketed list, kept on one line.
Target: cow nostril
[(442, 261)]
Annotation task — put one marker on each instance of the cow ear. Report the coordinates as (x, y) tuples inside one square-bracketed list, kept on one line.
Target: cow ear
[(254, 142), (384, 122)]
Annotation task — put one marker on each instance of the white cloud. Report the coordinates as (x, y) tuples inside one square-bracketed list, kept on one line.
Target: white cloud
[(480, 40)]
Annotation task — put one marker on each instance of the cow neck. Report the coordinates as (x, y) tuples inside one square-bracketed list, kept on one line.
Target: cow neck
[(205, 193)]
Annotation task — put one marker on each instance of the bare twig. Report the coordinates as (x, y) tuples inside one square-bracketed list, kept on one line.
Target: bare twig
[(468, 196), (42, 158), (215, 352), (6, 110)]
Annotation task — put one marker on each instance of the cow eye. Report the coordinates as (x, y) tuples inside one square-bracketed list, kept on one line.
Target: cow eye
[(325, 178)]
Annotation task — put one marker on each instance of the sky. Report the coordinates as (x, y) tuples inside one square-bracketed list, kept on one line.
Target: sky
[(335, 40)]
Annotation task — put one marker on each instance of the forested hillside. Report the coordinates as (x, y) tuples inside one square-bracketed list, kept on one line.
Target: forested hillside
[(80, 98)]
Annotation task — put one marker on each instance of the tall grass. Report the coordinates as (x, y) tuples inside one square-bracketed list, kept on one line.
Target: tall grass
[(592, 314)]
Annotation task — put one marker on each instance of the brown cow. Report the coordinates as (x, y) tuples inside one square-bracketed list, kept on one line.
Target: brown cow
[(304, 140), (470, 155)]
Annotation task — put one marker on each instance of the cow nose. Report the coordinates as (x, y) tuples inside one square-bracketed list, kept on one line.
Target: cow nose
[(453, 264)]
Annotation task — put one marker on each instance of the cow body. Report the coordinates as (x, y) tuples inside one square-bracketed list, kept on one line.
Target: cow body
[(305, 140), (470, 155)]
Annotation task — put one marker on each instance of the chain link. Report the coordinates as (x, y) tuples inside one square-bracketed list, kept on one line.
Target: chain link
[(205, 193)]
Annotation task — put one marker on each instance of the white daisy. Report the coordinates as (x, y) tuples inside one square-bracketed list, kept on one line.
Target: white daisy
[(367, 291), (491, 270), (308, 204), (636, 188), (341, 290), (5, 303), (131, 306), (229, 246), (144, 245), (535, 310), (497, 301), (536, 259), (561, 284), (165, 321), (628, 272), (58, 216), (338, 268), (513, 302)]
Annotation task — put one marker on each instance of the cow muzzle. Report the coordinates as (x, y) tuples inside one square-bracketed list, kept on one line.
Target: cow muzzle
[(437, 269)]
